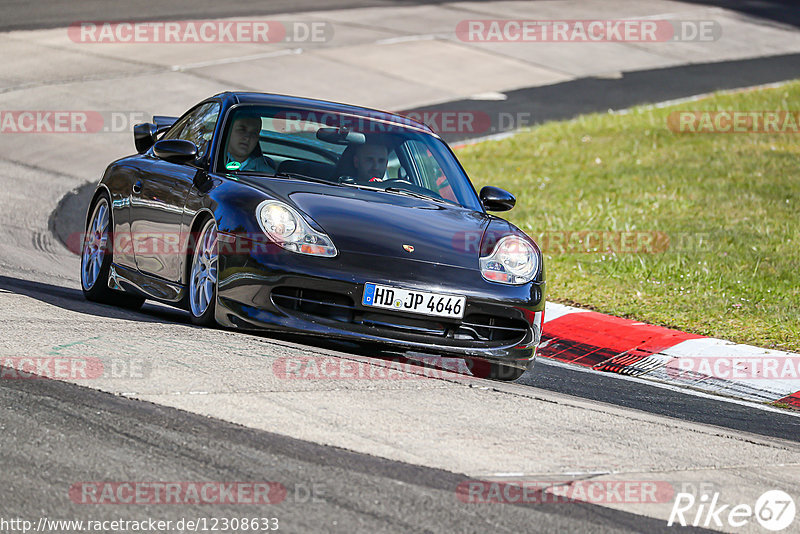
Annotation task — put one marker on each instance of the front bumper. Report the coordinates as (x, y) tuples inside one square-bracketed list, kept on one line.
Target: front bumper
[(283, 291)]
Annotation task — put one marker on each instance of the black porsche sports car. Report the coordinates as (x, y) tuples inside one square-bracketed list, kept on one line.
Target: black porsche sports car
[(267, 212)]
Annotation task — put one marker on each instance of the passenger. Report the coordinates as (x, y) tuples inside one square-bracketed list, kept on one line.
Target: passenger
[(242, 154), (370, 161)]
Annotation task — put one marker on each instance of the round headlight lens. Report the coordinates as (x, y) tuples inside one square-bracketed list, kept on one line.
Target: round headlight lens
[(285, 226), (278, 221), (513, 261), (517, 256)]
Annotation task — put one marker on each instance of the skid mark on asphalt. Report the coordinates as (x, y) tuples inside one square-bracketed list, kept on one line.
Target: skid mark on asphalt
[(58, 348)]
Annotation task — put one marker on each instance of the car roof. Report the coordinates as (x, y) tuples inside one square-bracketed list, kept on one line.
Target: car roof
[(321, 105)]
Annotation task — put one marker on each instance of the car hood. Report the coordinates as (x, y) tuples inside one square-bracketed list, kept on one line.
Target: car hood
[(387, 225), (393, 226)]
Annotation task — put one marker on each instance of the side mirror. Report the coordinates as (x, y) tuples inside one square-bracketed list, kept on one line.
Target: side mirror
[(496, 199), (175, 150), (144, 136)]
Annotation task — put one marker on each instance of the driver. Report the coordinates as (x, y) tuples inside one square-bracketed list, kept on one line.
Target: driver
[(370, 161), (242, 154)]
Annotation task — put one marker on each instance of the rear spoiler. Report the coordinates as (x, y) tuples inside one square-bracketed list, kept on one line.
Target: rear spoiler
[(163, 122)]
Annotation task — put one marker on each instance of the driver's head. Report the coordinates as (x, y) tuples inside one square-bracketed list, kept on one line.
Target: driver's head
[(244, 137), (370, 162)]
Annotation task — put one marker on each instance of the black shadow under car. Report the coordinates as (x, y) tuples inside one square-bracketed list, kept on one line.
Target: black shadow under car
[(267, 212)]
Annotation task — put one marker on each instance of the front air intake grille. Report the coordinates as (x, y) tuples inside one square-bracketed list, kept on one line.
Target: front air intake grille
[(319, 303), (474, 329), (423, 325), (489, 328)]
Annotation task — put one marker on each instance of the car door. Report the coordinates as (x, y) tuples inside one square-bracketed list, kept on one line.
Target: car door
[(159, 195)]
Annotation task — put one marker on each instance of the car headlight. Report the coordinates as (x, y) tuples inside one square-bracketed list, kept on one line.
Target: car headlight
[(286, 227), (513, 261)]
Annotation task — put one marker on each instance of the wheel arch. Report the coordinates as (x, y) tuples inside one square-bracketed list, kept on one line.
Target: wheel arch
[(101, 189), (200, 218)]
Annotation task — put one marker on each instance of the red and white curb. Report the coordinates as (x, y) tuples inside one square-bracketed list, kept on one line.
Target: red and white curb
[(611, 344)]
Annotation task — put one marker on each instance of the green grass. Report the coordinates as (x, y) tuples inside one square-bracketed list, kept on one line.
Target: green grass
[(730, 204)]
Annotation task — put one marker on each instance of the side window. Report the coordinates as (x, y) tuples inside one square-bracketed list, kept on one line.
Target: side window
[(431, 175), (197, 127), (394, 171), (177, 128)]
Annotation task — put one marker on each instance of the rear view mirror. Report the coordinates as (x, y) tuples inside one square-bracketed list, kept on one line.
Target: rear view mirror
[(496, 199), (144, 136), (341, 136), (175, 150)]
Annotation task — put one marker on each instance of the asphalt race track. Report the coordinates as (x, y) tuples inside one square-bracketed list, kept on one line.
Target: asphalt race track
[(55, 14), (147, 442), (352, 455)]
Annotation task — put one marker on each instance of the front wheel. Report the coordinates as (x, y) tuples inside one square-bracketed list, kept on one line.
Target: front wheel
[(96, 257), (203, 276)]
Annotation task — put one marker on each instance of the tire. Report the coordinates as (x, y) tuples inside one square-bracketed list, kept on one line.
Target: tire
[(96, 258), (203, 276)]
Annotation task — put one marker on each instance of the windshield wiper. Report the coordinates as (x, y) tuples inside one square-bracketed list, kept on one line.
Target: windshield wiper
[(414, 194), (361, 186), (293, 175), (298, 176)]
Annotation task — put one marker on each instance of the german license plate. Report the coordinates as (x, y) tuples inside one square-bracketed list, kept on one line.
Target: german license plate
[(412, 301)]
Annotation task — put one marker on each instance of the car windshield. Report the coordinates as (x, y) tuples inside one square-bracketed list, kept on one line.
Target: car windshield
[(348, 150)]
